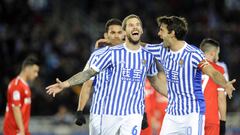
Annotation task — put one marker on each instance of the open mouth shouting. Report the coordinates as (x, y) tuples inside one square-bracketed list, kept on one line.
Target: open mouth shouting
[(135, 33)]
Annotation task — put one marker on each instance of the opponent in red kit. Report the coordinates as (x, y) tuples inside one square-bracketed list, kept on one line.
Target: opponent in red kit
[(18, 107), (155, 109), (214, 95)]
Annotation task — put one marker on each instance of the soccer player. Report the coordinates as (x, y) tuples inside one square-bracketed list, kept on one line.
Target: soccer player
[(214, 95), (18, 107), (155, 105), (123, 106), (114, 35), (183, 65)]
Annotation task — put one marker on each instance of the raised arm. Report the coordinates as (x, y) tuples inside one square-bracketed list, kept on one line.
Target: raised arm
[(78, 78), (219, 79)]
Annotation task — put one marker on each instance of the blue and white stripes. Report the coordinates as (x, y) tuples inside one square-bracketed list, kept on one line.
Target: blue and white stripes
[(125, 93), (184, 78), (100, 84)]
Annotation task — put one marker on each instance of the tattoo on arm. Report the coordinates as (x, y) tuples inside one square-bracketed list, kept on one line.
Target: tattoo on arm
[(159, 66), (81, 77), (218, 78)]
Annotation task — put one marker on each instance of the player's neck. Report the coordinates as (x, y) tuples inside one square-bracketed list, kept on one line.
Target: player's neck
[(132, 46), (23, 76), (176, 45)]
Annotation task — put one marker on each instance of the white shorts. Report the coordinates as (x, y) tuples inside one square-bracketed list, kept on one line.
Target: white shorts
[(191, 124), (115, 125), (95, 124)]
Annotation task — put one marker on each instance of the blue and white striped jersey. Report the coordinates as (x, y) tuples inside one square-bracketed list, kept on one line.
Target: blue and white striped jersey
[(125, 94), (100, 82), (183, 76)]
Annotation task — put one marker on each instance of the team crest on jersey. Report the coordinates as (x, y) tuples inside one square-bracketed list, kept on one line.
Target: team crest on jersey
[(181, 62), (16, 95), (144, 62)]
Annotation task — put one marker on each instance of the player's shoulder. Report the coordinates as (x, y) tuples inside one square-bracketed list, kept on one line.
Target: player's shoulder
[(16, 84), (100, 51), (117, 47), (191, 48), (146, 50), (154, 46)]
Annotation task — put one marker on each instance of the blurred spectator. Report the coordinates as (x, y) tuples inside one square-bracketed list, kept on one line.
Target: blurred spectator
[(63, 116)]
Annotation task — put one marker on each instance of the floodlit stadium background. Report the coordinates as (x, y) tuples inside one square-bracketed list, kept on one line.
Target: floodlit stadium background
[(63, 33)]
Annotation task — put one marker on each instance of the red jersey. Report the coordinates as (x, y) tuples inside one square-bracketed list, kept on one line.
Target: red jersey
[(18, 94), (210, 89), (154, 103), (149, 104), (159, 113)]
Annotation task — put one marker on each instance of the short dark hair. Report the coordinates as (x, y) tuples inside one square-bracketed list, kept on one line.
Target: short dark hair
[(124, 23), (174, 23), (113, 21), (208, 43), (30, 60)]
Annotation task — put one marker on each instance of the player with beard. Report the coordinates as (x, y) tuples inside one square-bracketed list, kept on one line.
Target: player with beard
[(184, 65), (130, 64), (214, 95), (18, 108)]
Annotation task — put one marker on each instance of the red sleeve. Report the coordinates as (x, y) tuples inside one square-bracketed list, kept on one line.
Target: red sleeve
[(15, 95), (221, 70)]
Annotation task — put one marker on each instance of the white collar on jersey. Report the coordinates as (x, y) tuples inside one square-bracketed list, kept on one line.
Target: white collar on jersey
[(133, 51), (180, 50)]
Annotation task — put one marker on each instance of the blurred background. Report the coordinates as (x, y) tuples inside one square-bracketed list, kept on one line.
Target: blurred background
[(63, 33)]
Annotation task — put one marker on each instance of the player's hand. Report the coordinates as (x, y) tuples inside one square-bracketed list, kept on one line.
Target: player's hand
[(99, 43), (144, 121), (80, 118), (229, 88), (21, 132), (57, 87)]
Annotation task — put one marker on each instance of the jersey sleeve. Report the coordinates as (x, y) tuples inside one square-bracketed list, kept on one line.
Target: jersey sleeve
[(87, 66), (199, 60), (103, 61), (94, 56), (15, 96), (153, 69), (157, 50)]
